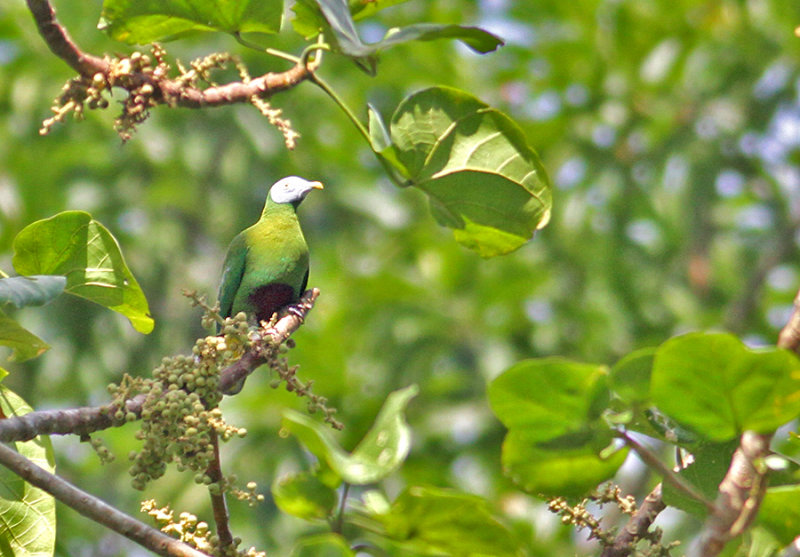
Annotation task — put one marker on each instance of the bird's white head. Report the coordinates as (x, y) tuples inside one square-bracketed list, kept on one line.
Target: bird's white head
[(292, 189)]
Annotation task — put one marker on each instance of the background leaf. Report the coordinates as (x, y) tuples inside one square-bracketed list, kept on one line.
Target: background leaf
[(24, 344), (380, 452), (146, 21), (78, 247), (483, 179), (436, 521), (27, 514), (780, 512), (303, 495), (35, 290), (323, 545), (714, 384)]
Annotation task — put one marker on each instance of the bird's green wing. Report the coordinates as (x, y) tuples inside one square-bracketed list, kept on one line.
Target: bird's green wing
[(232, 271), (304, 284)]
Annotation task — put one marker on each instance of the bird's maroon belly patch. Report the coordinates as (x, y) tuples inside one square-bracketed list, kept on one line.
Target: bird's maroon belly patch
[(270, 298)]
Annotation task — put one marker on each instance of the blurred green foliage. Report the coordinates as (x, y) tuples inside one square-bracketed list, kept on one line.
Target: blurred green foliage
[(670, 130)]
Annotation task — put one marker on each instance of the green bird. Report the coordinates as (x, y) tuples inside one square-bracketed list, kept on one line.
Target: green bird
[(266, 266)]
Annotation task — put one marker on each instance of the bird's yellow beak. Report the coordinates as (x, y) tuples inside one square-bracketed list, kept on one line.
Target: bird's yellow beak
[(317, 185)]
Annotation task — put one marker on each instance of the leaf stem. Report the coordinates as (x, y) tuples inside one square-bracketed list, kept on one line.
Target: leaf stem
[(339, 524), (669, 475), (325, 86)]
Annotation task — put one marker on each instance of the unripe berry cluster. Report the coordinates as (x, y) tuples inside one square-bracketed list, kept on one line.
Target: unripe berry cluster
[(180, 413)]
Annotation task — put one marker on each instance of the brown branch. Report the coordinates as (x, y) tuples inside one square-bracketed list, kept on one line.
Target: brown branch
[(789, 337), (86, 420), (637, 526), (59, 41), (218, 503), (91, 507), (165, 90)]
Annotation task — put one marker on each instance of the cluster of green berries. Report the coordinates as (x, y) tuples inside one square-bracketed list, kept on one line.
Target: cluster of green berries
[(180, 414), (99, 447)]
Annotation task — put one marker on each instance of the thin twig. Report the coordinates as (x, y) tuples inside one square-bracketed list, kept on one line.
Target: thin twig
[(218, 503), (86, 420), (667, 473), (91, 507), (637, 525)]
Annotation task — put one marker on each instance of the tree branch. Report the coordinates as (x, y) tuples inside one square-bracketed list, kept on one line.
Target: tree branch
[(740, 495), (86, 420), (637, 526), (165, 91), (60, 43), (91, 507), (789, 337), (744, 486)]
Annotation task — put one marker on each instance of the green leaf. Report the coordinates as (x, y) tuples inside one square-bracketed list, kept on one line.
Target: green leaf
[(483, 179), (30, 291), (335, 20), (715, 385), (304, 496), (378, 134), (323, 545), (27, 514), (74, 245), (711, 463), (380, 452), (550, 397), (436, 521), (146, 21), (630, 377), (475, 38), (556, 472), (24, 344), (361, 9), (780, 512)]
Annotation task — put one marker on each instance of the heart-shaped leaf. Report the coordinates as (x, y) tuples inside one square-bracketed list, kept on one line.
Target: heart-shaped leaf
[(483, 179), (74, 245), (549, 397), (718, 387)]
